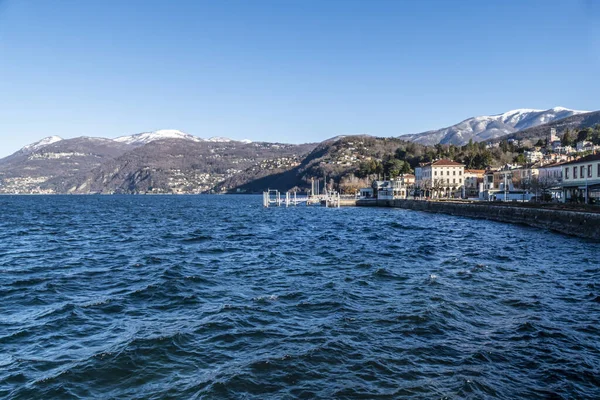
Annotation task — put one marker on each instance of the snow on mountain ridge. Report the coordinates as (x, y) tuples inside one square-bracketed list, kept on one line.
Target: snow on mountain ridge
[(488, 127), (147, 137), (41, 143)]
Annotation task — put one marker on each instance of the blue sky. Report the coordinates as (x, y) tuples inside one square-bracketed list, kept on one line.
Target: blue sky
[(287, 70)]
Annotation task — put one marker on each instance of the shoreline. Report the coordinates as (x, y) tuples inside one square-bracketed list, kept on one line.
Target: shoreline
[(574, 223)]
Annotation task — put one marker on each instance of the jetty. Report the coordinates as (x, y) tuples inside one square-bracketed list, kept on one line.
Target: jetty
[(333, 199)]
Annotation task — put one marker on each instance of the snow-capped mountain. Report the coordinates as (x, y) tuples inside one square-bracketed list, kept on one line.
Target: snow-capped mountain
[(147, 137), (30, 148), (219, 139), (491, 126)]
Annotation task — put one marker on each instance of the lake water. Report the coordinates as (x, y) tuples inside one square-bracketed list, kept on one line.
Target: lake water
[(152, 297)]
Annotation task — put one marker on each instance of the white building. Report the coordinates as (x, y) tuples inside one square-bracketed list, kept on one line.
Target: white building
[(442, 178), (398, 188), (581, 180), (584, 145), (533, 156), (366, 193)]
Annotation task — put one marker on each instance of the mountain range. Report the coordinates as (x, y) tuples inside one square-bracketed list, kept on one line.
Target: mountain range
[(172, 161), (488, 127), (165, 161)]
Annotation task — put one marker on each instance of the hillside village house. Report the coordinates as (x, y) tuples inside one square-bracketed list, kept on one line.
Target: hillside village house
[(581, 180), (533, 156), (442, 178)]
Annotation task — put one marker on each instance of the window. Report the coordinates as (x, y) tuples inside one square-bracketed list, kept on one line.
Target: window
[(590, 171), (454, 173), (574, 172), (435, 173), (447, 172), (566, 172), (453, 180), (598, 170), (459, 180), (582, 172)]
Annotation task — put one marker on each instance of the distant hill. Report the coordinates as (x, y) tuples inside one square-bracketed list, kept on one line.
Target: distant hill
[(36, 165), (486, 128), (180, 166), (162, 163), (574, 122), (332, 159)]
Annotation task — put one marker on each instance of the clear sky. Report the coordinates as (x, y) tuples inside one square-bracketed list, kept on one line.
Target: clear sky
[(287, 70)]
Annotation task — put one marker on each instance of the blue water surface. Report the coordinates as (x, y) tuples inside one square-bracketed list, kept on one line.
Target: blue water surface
[(157, 297)]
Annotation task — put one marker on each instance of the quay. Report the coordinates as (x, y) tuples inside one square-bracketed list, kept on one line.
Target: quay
[(575, 222)]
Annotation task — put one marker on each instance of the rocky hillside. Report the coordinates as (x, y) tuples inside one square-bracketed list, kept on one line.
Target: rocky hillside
[(34, 168), (160, 165), (333, 159), (180, 166)]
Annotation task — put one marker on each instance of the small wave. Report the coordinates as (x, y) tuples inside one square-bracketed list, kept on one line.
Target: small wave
[(197, 239), (264, 299), (520, 303), (28, 282), (387, 274)]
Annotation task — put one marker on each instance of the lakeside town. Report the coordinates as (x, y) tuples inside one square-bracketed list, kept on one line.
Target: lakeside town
[(550, 172)]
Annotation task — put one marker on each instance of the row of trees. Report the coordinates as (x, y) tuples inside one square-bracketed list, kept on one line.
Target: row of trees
[(409, 155), (592, 134)]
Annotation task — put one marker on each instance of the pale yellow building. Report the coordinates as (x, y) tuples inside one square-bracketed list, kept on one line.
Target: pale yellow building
[(442, 178)]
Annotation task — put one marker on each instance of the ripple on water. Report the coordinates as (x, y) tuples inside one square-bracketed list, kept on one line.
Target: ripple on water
[(216, 297)]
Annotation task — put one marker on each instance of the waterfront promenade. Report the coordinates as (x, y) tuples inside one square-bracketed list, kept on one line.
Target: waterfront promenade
[(577, 221)]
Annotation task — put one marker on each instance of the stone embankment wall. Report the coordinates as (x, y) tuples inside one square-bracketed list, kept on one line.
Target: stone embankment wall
[(582, 224)]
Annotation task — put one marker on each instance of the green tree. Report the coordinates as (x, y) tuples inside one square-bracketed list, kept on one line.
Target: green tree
[(400, 153), (583, 135), (520, 159), (567, 139), (470, 147), (395, 167), (596, 135)]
